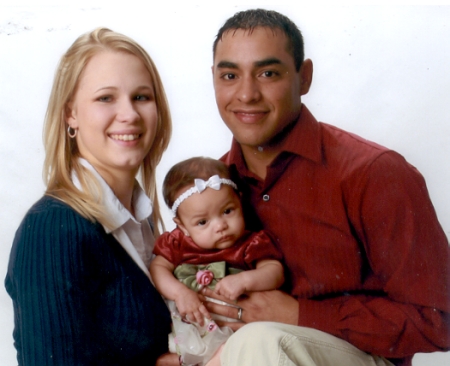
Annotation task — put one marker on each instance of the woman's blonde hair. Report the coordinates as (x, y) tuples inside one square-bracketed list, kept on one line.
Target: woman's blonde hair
[(61, 152)]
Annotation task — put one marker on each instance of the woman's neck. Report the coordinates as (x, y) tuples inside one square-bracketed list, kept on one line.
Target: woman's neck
[(122, 184), (124, 194)]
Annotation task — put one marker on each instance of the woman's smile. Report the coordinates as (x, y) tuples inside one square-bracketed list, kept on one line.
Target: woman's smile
[(115, 113)]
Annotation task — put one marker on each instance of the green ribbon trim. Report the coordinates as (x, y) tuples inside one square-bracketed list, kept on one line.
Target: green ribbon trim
[(186, 273)]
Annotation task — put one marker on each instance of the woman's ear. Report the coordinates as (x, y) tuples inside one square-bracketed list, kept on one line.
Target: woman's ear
[(70, 115), (180, 225)]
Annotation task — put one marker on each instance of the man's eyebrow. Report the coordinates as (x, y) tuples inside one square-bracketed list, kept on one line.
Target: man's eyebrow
[(227, 65), (261, 63), (268, 62)]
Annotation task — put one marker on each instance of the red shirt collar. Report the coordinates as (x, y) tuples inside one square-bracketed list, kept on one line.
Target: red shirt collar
[(304, 140)]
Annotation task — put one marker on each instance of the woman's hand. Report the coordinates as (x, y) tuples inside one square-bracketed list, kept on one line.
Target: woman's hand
[(258, 306), (168, 359)]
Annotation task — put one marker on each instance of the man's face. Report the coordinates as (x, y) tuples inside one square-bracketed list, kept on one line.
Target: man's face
[(256, 85)]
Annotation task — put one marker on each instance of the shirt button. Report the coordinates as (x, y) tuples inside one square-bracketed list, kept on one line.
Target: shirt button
[(266, 197)]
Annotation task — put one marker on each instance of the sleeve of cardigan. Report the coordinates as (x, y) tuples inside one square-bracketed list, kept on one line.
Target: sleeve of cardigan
[(409, 259), (49, 283)]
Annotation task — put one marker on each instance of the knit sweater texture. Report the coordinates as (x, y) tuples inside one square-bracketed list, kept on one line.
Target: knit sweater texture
[(78, 297)]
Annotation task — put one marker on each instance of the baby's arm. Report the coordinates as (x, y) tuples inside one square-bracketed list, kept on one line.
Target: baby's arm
[(268, 275), (187, 300)]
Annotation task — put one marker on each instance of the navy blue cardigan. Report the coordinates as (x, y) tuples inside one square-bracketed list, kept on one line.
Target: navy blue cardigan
[(78, 297)]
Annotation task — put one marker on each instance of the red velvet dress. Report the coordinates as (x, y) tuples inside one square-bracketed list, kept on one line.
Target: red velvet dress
[(252, 247)]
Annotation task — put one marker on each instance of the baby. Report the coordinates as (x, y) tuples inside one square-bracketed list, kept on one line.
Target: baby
[(210, 247)]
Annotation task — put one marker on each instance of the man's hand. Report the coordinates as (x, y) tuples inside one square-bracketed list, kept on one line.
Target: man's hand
[(258, 306)]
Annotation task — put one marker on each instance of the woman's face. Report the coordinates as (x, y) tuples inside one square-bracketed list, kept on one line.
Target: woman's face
[(115, 113)]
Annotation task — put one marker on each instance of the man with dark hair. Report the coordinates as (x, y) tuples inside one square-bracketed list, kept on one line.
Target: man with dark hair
[(251, 19), (365, 255)]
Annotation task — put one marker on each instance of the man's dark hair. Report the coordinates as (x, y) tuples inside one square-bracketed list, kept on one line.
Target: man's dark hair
[(250, 19)]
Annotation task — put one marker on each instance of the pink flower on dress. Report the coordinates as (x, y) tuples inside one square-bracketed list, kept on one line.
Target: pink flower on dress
[(211, 326), (204, 277)]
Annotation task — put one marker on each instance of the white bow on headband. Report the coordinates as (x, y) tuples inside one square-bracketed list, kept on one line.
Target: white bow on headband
[(200, 185)]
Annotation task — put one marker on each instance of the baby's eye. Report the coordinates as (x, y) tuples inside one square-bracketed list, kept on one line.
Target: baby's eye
[(227, 211), (201, 222)]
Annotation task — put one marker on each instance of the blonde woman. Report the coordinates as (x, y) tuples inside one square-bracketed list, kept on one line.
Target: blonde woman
[(78, 273)]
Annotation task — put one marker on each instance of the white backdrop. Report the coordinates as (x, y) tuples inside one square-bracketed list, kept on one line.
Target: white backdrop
[(380, 72)]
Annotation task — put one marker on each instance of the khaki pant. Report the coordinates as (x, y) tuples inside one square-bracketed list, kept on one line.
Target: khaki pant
[(271, 344)]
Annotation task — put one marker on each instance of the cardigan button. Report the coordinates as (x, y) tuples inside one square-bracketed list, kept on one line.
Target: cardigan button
[(266, 198)]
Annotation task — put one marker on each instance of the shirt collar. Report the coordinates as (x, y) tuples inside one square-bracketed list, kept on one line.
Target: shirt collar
[(118, 214), (304, 140)]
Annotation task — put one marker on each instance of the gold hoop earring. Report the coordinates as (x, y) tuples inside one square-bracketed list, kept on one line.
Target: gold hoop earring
[(71, 134)]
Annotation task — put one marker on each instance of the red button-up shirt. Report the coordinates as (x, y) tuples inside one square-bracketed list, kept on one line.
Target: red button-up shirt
[(366, 256)]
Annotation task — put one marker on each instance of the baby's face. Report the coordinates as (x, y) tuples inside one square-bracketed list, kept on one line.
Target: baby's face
[(213, 219)]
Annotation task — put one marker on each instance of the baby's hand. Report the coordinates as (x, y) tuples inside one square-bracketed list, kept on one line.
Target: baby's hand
[(231, 287), (190, 307)]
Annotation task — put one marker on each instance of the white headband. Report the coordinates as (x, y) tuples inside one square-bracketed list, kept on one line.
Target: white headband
[(200, 185)]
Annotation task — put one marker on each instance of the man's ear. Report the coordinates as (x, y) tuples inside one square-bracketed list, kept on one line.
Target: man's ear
[(306, 76), (212, 74), (180, 225)]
